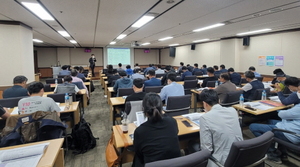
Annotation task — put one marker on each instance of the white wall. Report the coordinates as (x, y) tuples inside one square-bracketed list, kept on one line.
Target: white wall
[(145, 58), (47, 57)]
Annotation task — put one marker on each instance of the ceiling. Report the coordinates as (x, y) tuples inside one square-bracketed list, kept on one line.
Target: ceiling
[(95, 23)]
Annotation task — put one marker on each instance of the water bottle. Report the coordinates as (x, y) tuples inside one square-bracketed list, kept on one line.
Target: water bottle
[(55, 81), (70, 99), (241, 100), (67, 102), (264, 95), (216, 84)]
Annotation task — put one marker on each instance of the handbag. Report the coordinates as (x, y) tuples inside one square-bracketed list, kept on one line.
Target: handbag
[(112, 158)]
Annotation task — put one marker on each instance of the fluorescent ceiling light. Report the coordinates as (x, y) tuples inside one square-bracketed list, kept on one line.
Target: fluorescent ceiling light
[(73, 41), (201, 40), (37, 40), (121, 36), (38, 10), (166, 38), (112, 43), (147, 43), (175, 44), (64, 33), (142, 21), (253, 32), (209, 27)]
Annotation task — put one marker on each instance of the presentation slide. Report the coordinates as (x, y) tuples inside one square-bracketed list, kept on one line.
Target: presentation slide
[(118, 55)]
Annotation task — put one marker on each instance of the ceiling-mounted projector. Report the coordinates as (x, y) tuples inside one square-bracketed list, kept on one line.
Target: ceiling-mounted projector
[(135, 44)]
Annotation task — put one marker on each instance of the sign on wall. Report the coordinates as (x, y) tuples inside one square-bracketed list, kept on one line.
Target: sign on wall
[(279, 60), (270, 60)]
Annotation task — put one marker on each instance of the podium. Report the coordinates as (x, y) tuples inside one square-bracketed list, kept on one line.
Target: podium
[(55, 71)]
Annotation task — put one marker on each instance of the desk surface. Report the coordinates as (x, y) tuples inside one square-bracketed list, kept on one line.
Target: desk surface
[(117, 101), (85, 83), (51, 153), (119, 143), (82, 92)]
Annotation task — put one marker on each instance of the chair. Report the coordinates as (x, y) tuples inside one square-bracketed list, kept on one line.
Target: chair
[(125, 91), (47, 88), (260, 78), (243, 80), (78, 84), (248, 152), (231, 98), (60, 97), (178, 105), (52, 80), (131, 107), (10, 102), (159, 75), (178, 78), (155, 89), (61, 76), (211, 84), (197, 159), (192, 77), (189, 84), (198, 73), (258, 92)]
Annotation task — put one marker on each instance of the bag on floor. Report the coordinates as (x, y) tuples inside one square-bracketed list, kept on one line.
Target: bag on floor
[(82, 137)]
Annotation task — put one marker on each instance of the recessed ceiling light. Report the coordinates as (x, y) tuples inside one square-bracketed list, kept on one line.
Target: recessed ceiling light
[(275, 10), (166, 38), (147, 43), (38, 10), (73, 41), (142, 21), (37, 40), (112, 43), (201, 40), (121, 36), (175, 44), (209, 27), (64, 33), (254, 32)]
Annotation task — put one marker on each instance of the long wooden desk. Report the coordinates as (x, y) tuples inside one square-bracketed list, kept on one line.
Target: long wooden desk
[(88, 84), (53, 155)]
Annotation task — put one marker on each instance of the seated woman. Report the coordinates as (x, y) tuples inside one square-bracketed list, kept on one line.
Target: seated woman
[(156, 139)]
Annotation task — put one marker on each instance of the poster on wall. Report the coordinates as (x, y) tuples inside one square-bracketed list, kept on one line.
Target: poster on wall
[(279, 60), (270, 60), (261, 60)]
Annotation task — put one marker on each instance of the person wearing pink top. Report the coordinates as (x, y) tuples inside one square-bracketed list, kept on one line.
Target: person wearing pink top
[(76, 79)]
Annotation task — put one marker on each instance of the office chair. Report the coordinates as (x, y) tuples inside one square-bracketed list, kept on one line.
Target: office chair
[(125, 91), (197, 159), (61, 76), (52, 80), (131, 107), (10, 102), (231, 98), (188, 85), (159, 75), (47, 88), (192, 77), (178, 105), (258, 92), (250, 152), (198, 73), (60, 97), (211, 84), (260, 78), (155, 89), (178, 78)]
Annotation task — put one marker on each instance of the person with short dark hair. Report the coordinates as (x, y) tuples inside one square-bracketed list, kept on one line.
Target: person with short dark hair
[(211, 77), (137, 66), (196, 69), (189, 67), (123, 82), (67, 86), (120, 67), (147, 69), (64, 70), (36, 101), (172, 89), (256, 74), (164, 78), (128, 70), (159, 70), (252, 85), (18, 89), (80, 73), (234, 76), (92, 61), (292, 83), (222, 68), (137, 74), (153, 81), (204, 69), (111, 79), (280, 84), (277, 70), (185, 73), (179, 70), (217, 72), (225, 87), (138, 85), (76, 79), (157, 138)]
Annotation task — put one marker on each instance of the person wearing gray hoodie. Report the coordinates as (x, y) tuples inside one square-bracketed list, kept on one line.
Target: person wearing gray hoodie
[(123, 82)]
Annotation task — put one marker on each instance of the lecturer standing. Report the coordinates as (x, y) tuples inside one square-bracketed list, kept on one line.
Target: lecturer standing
[(92, 61)]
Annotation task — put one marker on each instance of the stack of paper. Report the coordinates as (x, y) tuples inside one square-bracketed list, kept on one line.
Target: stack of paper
[(258, 105), (194, 117)]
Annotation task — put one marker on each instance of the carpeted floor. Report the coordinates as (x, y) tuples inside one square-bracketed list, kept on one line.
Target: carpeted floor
[(97, 113)]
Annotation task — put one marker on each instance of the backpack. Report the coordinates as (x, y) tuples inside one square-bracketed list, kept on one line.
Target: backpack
[(82, 137)]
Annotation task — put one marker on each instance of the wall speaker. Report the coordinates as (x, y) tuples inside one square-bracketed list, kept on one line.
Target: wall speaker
[(172, 51), (246, 41), (193, 46)]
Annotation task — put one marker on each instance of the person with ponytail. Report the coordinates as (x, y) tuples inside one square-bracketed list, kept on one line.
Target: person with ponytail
[(157, 138)]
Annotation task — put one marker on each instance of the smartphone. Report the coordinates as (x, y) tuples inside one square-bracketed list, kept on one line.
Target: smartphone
[(186, 123)]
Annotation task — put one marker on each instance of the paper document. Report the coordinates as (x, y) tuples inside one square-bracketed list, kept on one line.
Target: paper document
[(15, 111), (258, 105), (275, 98), (140, 118), (23, 156), (62, 108), (194, 117)]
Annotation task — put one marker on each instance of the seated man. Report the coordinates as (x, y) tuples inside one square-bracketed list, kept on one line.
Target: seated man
[(234, 76), (64, 70), (196, 69), (76, 79), (204, 69), (137, 74), (250, 88), (67, 86), (179, 70), (216, 71), (147, 69), (256, 74), (211, 77), (36, 101), (189, 67), (164, 78), (172, 89), (280, 84), (220, 127), (292, 83), (138, 85), (112, 79), (159, 70), (153, 81), (185, 73), (80, 74), (123, 82), (18, 89), (4, 113), (120, 67), (222, 68), (290, 121), (225, 87)]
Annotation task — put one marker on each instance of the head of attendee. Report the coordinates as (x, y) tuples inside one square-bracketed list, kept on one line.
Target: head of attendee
[(68, 79), (20, 80), (210, 98), (136, 64), (184, 68), (123, 74), (181, 64), (222, 66), (210, 71), (120, 65), (249, 75), (230, 70), (138, 85), (151, 74), (137, 70), (168, 68), (204, 66), (216, 68), (252, 68), (292, 83), (159, 66), (18, 89), (196, 65), (280, 76), (64, 67), (110, 69), (278, 70), (76, 68), (74, 73), (224, 77), (36, 89), (69, 67), (128, 67), (152, 107), (171, 78)]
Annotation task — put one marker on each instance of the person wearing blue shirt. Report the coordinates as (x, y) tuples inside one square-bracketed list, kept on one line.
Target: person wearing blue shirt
[(290, 121), (204, 69), (147, 69), (64, 70), (222, 68), (172, 89), (256, 74), (292, 83), (185, 73), (217, 72), (152, 80), (179, 70), (196, 69), (234, 77), (128, 70), (18, 89)]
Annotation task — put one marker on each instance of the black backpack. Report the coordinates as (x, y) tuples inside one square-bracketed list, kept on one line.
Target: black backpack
[(82, 138)]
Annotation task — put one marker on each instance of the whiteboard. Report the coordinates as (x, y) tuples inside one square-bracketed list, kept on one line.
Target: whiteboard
[(118, 55)]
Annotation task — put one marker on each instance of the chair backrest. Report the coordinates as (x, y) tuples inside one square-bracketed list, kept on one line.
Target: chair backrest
[(190, 84), (243, 80), (47, 88), (260, 78), (258, 92), (78, 84), (60, 97), (10, 102), (61, 76), (198, 73), (155, 89), (192, 77), (197, 159), (231, 98), (159, 75), (125, 91), (178, 105), (210, 83), (52, 81), (178, 78), (131, 107), (256, 148)]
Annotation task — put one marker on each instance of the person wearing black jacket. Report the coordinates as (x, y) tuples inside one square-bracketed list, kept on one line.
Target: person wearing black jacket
[(92, 61)]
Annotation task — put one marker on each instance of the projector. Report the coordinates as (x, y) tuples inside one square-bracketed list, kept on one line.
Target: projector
[(135, 44)]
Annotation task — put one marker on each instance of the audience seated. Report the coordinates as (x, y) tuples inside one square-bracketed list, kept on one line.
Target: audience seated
[(234, 76), (256, 74), (120, 67), (196, 69), (292, 83), (109, 71), (278, 70), (112, 78), (65, 70), (138, 85), (211, 77), (153, 81), (222, 68), (225, 86), (36, 101), (80, 74), (189, 67), (185, 73), (136, 66), (159, 70), (168, 71), (76, 79), (250, 88), (18, 89), (216, 71), (280, 85), (172, 89), (128, 70), (123, 82), (156, 139), (67, 86), (179, 70), (147, 69), (4, 113), (204, 69), (290, 120), (137, 74)]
